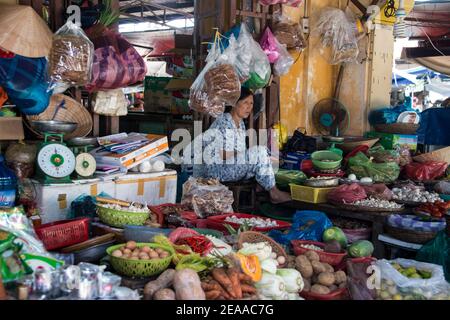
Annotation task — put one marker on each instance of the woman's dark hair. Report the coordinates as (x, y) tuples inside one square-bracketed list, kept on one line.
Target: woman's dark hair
[(245, 93)]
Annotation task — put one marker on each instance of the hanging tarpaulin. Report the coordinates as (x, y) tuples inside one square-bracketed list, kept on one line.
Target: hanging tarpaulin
[(439, 64)]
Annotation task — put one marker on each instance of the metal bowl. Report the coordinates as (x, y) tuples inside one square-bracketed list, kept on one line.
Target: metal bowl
[(53, 126), (322, 183), (83, 141)]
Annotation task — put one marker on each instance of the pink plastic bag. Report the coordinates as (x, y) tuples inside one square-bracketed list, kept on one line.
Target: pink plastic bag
[(117, 63), (276, 52), (347, 194)]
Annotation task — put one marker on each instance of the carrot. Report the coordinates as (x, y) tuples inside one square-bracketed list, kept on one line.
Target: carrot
[(221, 277), (245, 278), (248, 289), (212, 294), (233, 274)]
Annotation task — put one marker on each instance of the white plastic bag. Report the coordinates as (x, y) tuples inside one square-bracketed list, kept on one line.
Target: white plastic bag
[(276, 53), (338, 33), (111, 103), (394, 283), (71, 57)]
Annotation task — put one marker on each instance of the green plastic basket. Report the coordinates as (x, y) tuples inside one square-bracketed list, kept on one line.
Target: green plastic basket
[(140, 268), (118, 218)]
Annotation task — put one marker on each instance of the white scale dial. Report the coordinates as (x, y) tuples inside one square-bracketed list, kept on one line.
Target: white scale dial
[(85, 165), (56, 160)]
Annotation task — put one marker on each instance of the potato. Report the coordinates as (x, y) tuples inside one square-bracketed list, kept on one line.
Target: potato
[(319, 289), (326, 278), (318, 267), (340, 277), (307, 285), (312, 255), (131, 245), (328, 267), (303, 265)]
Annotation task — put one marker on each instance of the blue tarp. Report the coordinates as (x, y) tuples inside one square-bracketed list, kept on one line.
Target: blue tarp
[(435, 127)]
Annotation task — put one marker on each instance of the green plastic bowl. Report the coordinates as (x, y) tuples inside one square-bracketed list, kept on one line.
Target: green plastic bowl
[(318, 158), (140, 268), (119, 218)]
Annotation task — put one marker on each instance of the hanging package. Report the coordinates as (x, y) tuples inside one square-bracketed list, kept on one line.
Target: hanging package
[(111, 103), (26, 83), (277, 53), (117, 63), (289, 33), (71, 56)]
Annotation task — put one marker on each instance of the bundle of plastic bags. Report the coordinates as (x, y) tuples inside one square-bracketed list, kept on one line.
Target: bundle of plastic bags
[(276, 52)]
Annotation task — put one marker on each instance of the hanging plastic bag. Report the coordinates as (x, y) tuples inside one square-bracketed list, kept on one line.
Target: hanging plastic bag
[(307, 225), (276, 52), (336, 32), (289, 33), (116, 63), (362, 167), (25, 81), (437, 251), (111, 103), (71, 56), (425, 171), (433, 287), (259, 66)]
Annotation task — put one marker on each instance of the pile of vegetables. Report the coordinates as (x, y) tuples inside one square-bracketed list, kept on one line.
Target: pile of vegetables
[(319, 278), (436, 210), (228, 284)]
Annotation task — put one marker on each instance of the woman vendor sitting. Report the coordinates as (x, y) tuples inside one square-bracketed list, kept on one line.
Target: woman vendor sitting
[(229, 159)]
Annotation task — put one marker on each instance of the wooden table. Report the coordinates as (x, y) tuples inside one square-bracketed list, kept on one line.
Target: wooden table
[(377, 219)]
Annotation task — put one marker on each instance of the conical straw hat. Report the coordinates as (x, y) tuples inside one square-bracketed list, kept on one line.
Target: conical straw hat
[(24, 32)]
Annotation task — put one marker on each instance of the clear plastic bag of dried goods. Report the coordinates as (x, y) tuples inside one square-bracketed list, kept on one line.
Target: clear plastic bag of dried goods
[(207, 197), (338, 33), (218, 84), (71, 56), (277, 53), (289, 33)]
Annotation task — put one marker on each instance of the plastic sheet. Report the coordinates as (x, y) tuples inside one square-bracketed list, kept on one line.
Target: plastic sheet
[(337, 33), (116, 62), (71, 56), (437, 251), (425, 171)]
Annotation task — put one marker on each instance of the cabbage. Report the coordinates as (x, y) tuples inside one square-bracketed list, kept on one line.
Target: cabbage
[(292, 278), (271, 286), (269, 265), (261, 249)]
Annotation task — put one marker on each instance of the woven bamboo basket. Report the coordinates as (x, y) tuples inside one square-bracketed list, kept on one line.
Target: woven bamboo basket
[(437, 155), (72, 111), (255, 237), (398, 128), (419, 237)]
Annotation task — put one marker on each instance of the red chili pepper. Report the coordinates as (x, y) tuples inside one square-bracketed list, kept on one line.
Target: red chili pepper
[(199, 244)]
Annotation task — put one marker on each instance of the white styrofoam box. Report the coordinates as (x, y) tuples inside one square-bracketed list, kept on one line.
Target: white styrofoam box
[(54, 200), (153, 188)]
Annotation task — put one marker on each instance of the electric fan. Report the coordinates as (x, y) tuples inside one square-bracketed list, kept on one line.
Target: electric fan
[(330, 117)]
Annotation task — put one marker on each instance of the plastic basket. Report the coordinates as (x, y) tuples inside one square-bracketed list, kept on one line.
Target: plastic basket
[(159, 211), (63, 233), (333, 259), (281, 225), (118, 218), (140, 268), (309, 194)]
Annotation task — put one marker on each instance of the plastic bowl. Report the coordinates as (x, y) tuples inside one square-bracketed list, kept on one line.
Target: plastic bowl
[(333, 259), (319, 157)]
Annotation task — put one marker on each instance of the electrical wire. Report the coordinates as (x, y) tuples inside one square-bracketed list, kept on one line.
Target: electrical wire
[(429, 39)]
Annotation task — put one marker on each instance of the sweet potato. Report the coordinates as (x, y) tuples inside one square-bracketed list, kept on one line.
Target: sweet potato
[(213, 294), (319, 289), (164, 281), (164, 294), (318, 267), (222, 278), (312, 255), (303, 265), (326, 278), (187, 285)]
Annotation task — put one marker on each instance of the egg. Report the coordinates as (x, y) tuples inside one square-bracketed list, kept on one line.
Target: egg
[(117, 253), (143, 256), (131, 245), (126, 256), (134, 258), (146, 249), (153, 255), (366, 180), (164, 254), (159, 250), (352, 177), (126, 251)]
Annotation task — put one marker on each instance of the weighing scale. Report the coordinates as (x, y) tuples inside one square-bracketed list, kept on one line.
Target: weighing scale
[(55, 161), (85, 164)]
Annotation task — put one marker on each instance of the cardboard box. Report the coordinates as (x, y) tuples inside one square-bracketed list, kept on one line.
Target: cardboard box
[(391, 141), (152, 188), (53, 201), (11, 128), (157, 145)]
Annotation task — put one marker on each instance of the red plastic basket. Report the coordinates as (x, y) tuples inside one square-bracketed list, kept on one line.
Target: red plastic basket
[(333, 259), (63, 233), (220, 221), (158, 211)]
